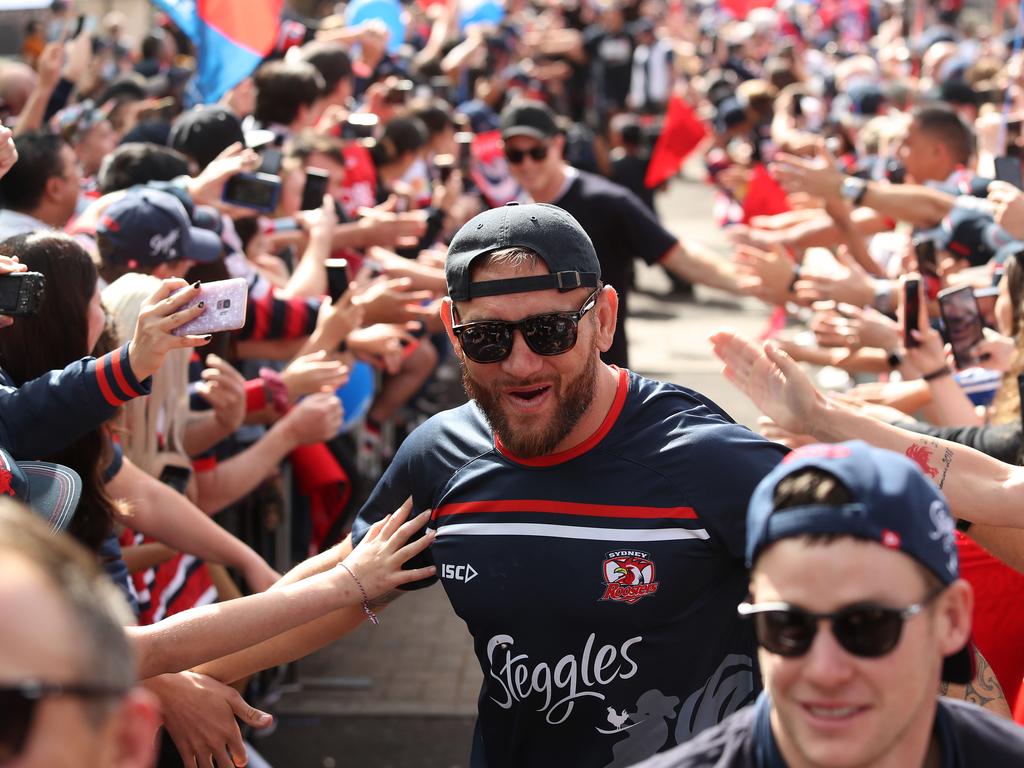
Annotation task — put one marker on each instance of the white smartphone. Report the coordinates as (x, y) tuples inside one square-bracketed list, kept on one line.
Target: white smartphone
[(225, 302)]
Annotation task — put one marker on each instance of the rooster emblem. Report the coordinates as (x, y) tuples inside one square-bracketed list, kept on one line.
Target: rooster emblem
[(628, 576), (921, 456)]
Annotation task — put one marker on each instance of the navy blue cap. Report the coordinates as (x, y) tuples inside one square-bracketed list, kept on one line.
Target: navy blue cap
[(147, 227), (50, 490), (893, 504), (551, 232), (970, 234)]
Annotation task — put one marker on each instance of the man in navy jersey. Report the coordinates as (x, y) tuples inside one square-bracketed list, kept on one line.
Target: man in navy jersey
[(589, 522), (860, 612)]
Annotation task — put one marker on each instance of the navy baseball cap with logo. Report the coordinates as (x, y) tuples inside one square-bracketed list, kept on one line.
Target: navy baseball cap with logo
[(546, 229), (52, 491), (893, 504), (147, 227)]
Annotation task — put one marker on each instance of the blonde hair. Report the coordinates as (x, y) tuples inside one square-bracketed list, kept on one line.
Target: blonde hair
[(154, 425)]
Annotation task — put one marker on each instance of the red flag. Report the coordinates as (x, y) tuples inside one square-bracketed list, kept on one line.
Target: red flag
[(680, 135), (765, 197), (740, 8)]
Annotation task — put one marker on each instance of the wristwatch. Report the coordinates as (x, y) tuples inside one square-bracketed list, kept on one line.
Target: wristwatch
[(853, 189)]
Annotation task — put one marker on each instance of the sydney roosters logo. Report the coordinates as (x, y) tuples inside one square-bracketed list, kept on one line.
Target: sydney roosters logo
[(628, 576)]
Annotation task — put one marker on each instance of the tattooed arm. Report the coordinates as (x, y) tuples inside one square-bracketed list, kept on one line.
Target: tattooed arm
[(979, 488), (984, 690)]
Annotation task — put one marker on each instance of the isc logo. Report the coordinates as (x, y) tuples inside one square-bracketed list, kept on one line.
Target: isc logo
[(463, 573)]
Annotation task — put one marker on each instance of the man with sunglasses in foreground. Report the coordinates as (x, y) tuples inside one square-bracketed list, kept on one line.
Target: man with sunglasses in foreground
[(859, 610), (589, 522), (621, 227), (68, 697)]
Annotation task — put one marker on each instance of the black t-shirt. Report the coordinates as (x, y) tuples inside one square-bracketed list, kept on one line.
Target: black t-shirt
[(622, 228), (600, 584), (611, 57), (969, 737)]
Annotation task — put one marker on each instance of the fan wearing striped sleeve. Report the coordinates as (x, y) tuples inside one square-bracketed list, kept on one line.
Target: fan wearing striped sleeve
[(590, 522)]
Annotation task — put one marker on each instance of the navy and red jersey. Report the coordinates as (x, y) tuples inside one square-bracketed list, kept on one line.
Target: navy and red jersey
[(600, 584), (48, 413)]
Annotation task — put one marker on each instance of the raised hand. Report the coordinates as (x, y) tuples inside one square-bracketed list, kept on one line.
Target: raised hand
[(772, 380), (160, 314), (377, 561)]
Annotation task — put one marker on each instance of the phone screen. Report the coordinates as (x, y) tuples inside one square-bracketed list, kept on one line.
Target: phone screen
[(961, 317), (924, 251), (315, 189), (1008, 170), (258, 191), (911, 311), (270, 160), (337, 277)]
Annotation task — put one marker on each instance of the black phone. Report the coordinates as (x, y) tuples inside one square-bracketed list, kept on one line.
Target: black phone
[(315, 189), (911, 311), (360, 125), (444, 164), (79, 26), (464, 140), (961, 317), (337, 277), (176, 477), (21, 293), (259, 191), (1008, 170), (927, 260), (270, 160)]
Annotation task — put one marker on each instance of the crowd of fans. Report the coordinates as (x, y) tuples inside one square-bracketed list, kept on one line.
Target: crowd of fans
[(866, 162)]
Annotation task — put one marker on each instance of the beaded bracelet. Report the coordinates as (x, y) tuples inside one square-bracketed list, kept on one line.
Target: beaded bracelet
[(366, 598)]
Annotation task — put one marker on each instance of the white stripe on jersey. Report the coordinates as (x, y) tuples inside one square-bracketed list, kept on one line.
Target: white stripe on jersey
[(572, 532)]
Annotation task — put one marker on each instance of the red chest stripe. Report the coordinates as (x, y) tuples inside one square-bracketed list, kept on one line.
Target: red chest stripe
[(564, 508)]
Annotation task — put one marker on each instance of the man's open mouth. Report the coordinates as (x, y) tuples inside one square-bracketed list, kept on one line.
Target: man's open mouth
[(528, 394)]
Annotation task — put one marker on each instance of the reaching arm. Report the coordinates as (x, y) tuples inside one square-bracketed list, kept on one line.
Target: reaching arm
[(978, 487), (318, 417), (698, 264), (297, 642), (201, 634), (160, 512)]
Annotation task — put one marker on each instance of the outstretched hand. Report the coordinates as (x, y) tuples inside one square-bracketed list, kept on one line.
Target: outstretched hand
[(772, 380), (377, 561)]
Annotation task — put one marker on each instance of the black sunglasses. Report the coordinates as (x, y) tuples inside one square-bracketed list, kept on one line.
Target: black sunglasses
[(553, 333), (18, 705), (516, 156), (864, 630)]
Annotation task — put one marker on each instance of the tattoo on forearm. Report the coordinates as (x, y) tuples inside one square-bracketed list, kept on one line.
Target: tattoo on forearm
[(984, 690), (921, 452)]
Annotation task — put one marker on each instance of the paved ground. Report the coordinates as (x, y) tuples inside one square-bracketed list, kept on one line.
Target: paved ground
[(409, 686)]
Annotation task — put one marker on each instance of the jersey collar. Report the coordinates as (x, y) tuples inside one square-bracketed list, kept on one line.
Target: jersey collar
[(578, 450)]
